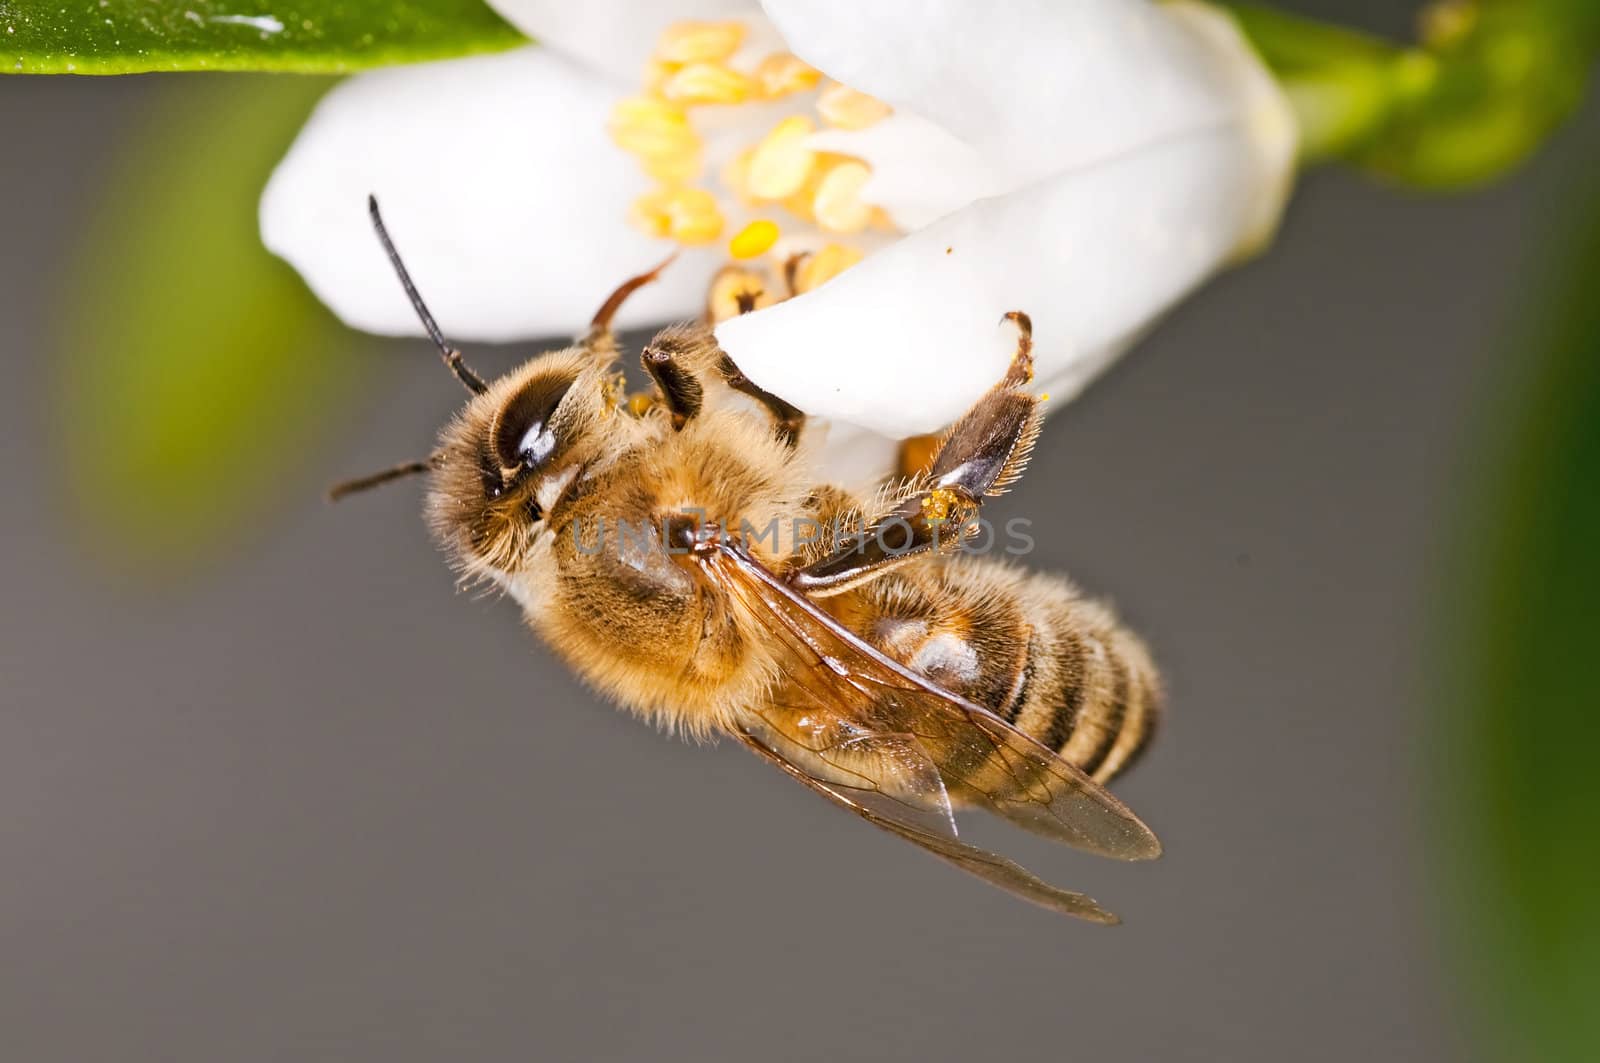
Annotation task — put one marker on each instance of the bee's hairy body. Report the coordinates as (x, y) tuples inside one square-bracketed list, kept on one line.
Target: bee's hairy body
[(678, 552), (637, 622)]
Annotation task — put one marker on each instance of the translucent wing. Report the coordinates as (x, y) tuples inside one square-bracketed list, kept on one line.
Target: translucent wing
[(843, 695), (892, 815)]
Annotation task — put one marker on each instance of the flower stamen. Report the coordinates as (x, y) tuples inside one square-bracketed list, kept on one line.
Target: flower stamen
[(694, 66)]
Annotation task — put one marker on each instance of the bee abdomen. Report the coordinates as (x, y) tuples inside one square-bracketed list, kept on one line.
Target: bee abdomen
[(1091, 691)]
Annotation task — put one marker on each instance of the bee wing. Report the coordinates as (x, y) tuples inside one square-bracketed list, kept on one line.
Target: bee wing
[(891, 814), (852, 689)]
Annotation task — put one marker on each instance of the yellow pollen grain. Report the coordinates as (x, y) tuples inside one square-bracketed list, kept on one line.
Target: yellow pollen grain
[(837, 202), (754, 239), (844, 108), (939, 503), (700, 42), (822, 266), (781, 161), (700, 83), (783, 74)]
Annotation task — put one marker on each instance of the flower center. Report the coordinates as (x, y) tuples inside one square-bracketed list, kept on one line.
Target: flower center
[(786, 211)]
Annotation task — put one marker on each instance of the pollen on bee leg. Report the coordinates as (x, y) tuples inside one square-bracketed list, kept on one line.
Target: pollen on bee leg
[(700, 42), (823, 265), (939, 502), (736, 290), (844, 108)]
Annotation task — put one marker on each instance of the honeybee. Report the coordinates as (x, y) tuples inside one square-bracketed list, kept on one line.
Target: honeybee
[(661, 546)]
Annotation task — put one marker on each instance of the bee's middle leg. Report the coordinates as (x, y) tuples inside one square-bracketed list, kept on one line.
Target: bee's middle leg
[(982, 454)]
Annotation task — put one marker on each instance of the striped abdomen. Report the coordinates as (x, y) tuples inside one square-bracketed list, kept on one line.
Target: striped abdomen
[(1057, 666)]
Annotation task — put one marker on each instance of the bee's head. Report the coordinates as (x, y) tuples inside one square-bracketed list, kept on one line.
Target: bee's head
[(521, 442), (513, 452)]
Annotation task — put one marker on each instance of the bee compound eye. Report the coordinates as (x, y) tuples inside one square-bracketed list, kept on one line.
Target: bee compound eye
[(524, 437)]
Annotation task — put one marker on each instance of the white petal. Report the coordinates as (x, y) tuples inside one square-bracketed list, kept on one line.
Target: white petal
[(1035, 85), (902, 343), (500, 186), (615, 36)]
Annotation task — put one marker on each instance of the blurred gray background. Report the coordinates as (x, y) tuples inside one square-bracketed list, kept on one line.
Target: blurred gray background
[(315, 804)]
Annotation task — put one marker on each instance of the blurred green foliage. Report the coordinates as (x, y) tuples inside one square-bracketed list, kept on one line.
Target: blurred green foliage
[(195, 368), (303, 36), (1481, 91), (1519, 730)]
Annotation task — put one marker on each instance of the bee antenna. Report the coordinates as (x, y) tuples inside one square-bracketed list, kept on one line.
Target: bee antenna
[(378, 479), (452, 357)]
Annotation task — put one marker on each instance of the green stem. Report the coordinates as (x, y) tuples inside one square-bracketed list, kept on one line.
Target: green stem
[(1487, 83)]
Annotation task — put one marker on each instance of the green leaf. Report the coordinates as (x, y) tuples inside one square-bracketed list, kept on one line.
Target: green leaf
[(1484, 88), (299, 36), (195, 368), (1519, 796)]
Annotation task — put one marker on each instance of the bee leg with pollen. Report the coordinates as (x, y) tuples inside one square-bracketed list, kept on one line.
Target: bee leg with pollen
[(982, 454)]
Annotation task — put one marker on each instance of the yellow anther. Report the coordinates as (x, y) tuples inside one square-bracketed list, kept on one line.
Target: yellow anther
[(845, 108), (736, 290), (837, 201), (693, 216), (735, 176), (782, 74), (782, 161), (824, 265), (676, 169), (652, 128), (754, 239), (656, 74), (700, 42), (649, 213), (688, 215), (708, 83)]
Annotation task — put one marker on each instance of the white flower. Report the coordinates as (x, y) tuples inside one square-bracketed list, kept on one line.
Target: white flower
[(1086, 161)]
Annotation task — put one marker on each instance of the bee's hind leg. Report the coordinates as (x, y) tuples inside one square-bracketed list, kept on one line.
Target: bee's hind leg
[(982, 454)]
